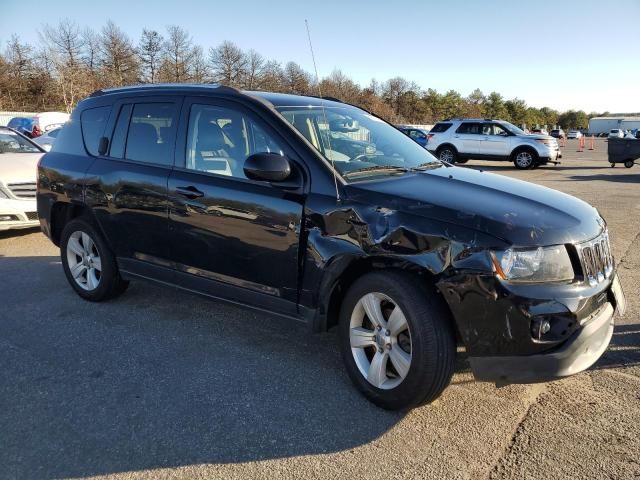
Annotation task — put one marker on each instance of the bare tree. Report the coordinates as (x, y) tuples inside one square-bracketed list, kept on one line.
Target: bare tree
[(150, 51), (296, 80), (177, 65), (118, 58), (253, 69), (228, 63), (200, 68), (91, 51), (272, 77), (340, 86), (63, 49), (65, 40)]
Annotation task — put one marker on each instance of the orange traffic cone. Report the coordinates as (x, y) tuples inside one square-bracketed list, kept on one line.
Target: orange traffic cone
[(580, 144), (592, 146)]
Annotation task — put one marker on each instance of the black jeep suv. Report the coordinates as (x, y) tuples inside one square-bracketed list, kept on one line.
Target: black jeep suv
[(247, 197)]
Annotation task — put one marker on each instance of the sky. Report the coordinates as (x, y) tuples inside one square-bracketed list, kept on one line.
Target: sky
[(561, 54)]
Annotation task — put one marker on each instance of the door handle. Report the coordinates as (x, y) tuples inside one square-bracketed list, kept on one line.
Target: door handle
[(189, 192)]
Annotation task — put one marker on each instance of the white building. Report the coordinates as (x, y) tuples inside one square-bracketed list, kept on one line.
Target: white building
[(604, 124)]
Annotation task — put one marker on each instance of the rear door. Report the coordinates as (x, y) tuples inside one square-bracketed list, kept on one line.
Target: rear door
[(231, 236), (494, 141), (467, 138), (127, 186)]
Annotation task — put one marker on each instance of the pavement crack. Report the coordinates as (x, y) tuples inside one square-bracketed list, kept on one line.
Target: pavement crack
[(535, 394)]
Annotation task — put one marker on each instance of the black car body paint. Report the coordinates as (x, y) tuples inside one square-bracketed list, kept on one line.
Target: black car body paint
[(293, 250)]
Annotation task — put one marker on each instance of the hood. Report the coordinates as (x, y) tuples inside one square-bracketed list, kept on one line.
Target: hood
[(536, 136), (19, 167), (518, 212)]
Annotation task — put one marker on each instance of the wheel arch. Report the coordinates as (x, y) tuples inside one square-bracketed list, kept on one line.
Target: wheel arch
[(62, 213), (521, 148), (332, 292), (446, 144)]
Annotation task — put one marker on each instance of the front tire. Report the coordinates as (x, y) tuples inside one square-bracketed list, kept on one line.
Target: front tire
[(396, 340), (89, 265), (628, 163), (525, 159)]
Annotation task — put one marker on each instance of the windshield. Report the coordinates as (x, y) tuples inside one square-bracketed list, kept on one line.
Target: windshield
[(513, 129), (358, 144), (11, 142)]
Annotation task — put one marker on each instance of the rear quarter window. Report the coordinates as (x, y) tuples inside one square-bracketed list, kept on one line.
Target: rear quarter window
[(93, 122), (440, 127)]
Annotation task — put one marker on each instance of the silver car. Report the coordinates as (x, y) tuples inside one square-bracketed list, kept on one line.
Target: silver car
[(459, 140), (46, 140)]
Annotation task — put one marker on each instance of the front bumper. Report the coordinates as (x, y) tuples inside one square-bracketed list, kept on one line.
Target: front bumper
[(575, 355), (500, 324), (20, 213)]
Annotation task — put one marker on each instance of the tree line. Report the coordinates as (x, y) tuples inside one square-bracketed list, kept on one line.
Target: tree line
[(71, 62)]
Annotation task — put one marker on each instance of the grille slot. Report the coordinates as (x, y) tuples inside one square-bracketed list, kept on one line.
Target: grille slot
[(32, 215), (596, 259), (23, 190)]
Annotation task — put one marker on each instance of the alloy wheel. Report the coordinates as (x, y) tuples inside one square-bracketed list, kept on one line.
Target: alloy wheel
[(524, 159), (84, 261), (446, 155), (380, 340)]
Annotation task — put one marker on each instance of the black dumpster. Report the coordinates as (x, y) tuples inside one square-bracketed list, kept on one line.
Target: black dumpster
[(623, 150)]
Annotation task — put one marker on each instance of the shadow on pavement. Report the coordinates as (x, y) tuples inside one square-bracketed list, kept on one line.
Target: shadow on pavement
[(159, 378), (20, 232), (627, 177), (624, 350)]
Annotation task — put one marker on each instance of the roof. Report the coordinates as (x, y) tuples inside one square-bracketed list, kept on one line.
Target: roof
[(276, 99), (627, 119)]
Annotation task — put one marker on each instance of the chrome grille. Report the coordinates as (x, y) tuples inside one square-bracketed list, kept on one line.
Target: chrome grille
[(23, 190), (596, 259)]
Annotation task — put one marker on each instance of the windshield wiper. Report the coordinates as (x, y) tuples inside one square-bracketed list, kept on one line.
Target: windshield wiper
[(375, 168), (427, 166)]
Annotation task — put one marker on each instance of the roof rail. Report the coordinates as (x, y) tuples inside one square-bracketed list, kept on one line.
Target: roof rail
[(152, 86)]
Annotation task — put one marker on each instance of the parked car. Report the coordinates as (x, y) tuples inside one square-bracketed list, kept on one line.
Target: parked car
[(558, 133), (538, 131), (461, 139), (35, 126), (574, 134), (404, 254), (418, 135), (47, 139), (18, 165), (616, 133)]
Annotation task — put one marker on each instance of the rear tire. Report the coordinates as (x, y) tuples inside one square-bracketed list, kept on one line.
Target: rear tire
[(447, 154), (628, 163), (89, 265), (410, 359)]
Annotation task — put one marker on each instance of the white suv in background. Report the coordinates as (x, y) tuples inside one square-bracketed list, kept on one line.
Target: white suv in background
[(18, 170), (461, 139)]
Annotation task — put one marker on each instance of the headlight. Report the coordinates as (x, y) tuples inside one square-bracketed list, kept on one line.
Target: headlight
[(544, 264)]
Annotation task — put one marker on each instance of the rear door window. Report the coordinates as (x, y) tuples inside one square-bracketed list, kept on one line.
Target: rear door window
[(152, 133), (120, 132), (93, 122), (440, 127), (470, 128)]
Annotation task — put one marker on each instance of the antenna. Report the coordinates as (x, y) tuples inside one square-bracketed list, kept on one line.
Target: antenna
[(324, 112)]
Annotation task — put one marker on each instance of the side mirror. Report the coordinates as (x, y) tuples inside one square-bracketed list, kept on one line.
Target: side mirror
[(269, 167), (103, 145)]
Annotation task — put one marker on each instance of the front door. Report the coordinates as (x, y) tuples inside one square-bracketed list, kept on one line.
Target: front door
[(238, 237), (494, 140)]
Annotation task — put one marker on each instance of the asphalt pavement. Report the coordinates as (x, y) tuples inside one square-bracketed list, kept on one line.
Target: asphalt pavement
[(163, 384)]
